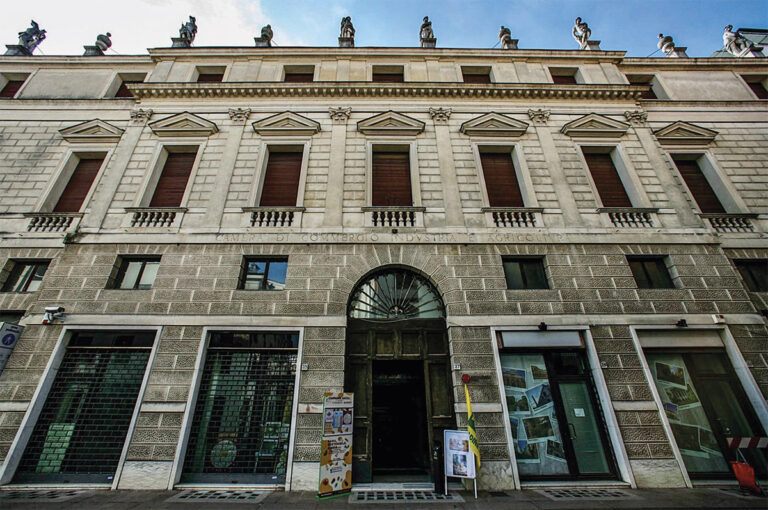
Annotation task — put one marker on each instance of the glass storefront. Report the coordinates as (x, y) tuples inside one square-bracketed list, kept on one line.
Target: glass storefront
[(242, 418), (556, 427), (705, 403)]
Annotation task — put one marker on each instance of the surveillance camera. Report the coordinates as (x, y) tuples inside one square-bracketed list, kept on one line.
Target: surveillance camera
[(54, 309), (52, 313)]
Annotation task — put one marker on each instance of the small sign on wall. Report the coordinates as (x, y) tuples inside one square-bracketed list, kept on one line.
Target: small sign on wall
[(9, 335), (336, 450)]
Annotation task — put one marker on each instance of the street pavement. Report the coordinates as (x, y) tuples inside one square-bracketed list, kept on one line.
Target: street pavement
[(700, 499)]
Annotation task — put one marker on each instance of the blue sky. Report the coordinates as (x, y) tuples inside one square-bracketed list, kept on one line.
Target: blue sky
[(630, 25)]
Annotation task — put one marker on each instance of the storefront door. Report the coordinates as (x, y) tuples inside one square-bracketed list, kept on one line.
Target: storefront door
[(705, 403), (80, 433), (555, 420)]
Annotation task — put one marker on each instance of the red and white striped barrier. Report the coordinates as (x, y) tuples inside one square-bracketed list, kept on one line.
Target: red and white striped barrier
[(747, 442)]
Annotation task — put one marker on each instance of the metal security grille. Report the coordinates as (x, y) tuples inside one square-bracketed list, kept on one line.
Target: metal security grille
[(242, 417), (586, 494), (219, 496), (404, 497), (81, 430)]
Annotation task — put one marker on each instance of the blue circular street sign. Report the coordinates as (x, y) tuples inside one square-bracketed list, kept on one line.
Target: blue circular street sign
[(8, 339)]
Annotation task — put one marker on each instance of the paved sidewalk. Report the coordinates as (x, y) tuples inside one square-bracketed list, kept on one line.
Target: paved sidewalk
[(704, 498)]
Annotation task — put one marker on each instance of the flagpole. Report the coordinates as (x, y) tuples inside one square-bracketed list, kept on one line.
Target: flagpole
[(473, 443)]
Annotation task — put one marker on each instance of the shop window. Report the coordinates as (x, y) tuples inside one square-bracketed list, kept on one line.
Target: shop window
[(135, 273), (25, 276), (388, 74), (480, 74), (391, 178), (698, 184), (557, 430), (299, 74), (242, 418), (500, 177), (563, 75), (757, 85), (281, 179), (607, 181), (650, 272), (79, 184), (705, 403), (263, 273), (525, 273), (755, 273), (173, 179)]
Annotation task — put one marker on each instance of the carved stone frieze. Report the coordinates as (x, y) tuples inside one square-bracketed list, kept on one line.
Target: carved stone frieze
[(141, 115), (239, 114), (636, 116), (440, 115), (340, 115), (539, 116)]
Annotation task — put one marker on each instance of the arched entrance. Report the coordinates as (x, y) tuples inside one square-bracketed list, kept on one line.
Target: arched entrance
[(397, 365)]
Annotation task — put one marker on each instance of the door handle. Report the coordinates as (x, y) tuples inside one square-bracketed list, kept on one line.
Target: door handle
[(573, 430)]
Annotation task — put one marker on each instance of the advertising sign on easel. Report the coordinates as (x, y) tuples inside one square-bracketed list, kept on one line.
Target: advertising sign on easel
[(459, 459), (336, 451)]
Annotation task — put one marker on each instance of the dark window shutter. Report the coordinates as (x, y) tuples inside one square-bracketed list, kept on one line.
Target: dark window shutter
[(758, 89), (564, 80), (281, 182), (209, 77), (391, 184), (299, 77), (501, 180), (123, 90), (71, 200), (607, 180), (388, 77), (699, 186), (476, 78), (173, 180), (11, 88)]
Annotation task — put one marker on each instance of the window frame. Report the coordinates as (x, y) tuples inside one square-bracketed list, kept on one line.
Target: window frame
[(149, 183), (633, 187), (299, 69), (476, 70), (388, 69), (392, 145), (261, 167), (10, 270), (119, 78), (221, 69), (63, 174), (752, 283), (661, 260), (541, 259), (762, 80), (522, 173), (11, 76), (575, 72), (648, 79), (721, 185), (243, 278), (120, 268)]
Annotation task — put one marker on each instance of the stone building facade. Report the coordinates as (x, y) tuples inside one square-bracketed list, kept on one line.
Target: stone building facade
[(581, 337)]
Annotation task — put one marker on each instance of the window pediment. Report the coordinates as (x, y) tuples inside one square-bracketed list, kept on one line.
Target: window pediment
[(92, 131), (390, 123), (183, 124), (286, 123), (595, 126), (684, 133), (494, 124)]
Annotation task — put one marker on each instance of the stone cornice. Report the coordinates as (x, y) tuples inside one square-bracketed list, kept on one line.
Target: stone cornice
[(179, 90)]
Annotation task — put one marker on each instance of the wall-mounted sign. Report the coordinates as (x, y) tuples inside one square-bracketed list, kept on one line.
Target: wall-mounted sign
[(459, 459), (336, 451), (9, 335)]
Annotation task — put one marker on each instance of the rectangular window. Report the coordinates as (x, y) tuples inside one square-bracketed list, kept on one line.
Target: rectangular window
[(698, 184), (391, 179), (607, 180), (173, 180), (73, 196), (281, 180), (525, 273), (135, 273), (755, 83), (650, 273), (476, 74), (25, 276), (563, 75), (263, 274), (643, 79), (755, 273), (11, 88), (501, 180), (388, 74), (299, 74), (705, 403), (556, 425), (209, 77)]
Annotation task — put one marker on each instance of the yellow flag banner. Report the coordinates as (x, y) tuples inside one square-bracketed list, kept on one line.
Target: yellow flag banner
[(473, 445)]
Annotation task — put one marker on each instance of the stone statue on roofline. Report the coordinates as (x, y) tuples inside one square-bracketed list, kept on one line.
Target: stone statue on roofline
[(735, 43), (347, 33), (426, 34), (31, 37), (103, 42), (581, 33), (265, 40), (505, 37), (666, 44), (188, 30)]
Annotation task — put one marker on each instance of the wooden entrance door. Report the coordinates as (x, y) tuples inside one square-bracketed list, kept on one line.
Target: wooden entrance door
[(418, 340)]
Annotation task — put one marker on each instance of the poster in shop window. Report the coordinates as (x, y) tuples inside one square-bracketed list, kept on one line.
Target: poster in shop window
[(336, 450)]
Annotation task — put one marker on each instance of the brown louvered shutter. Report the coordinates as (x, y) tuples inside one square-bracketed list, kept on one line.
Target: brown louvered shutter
[(71, 200), (564, 80), (209, 77), (299, 77), (476, 78), (281, 182), (391, 184), (501, 180), (699, 186), (388, 77), (607, 180), (173, 180), (11, 88)]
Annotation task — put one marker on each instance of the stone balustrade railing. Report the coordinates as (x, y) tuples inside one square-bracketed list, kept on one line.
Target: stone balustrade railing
[(274, 216), (53, 222), (154, 217), (630, 217), (394, 216), (731, 223), (512, 217)]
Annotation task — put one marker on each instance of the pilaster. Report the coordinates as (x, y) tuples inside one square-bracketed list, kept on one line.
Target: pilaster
[(334, 194), (454, 216)]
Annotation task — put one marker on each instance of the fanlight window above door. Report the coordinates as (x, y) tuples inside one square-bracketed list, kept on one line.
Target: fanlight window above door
[(395, 295)]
